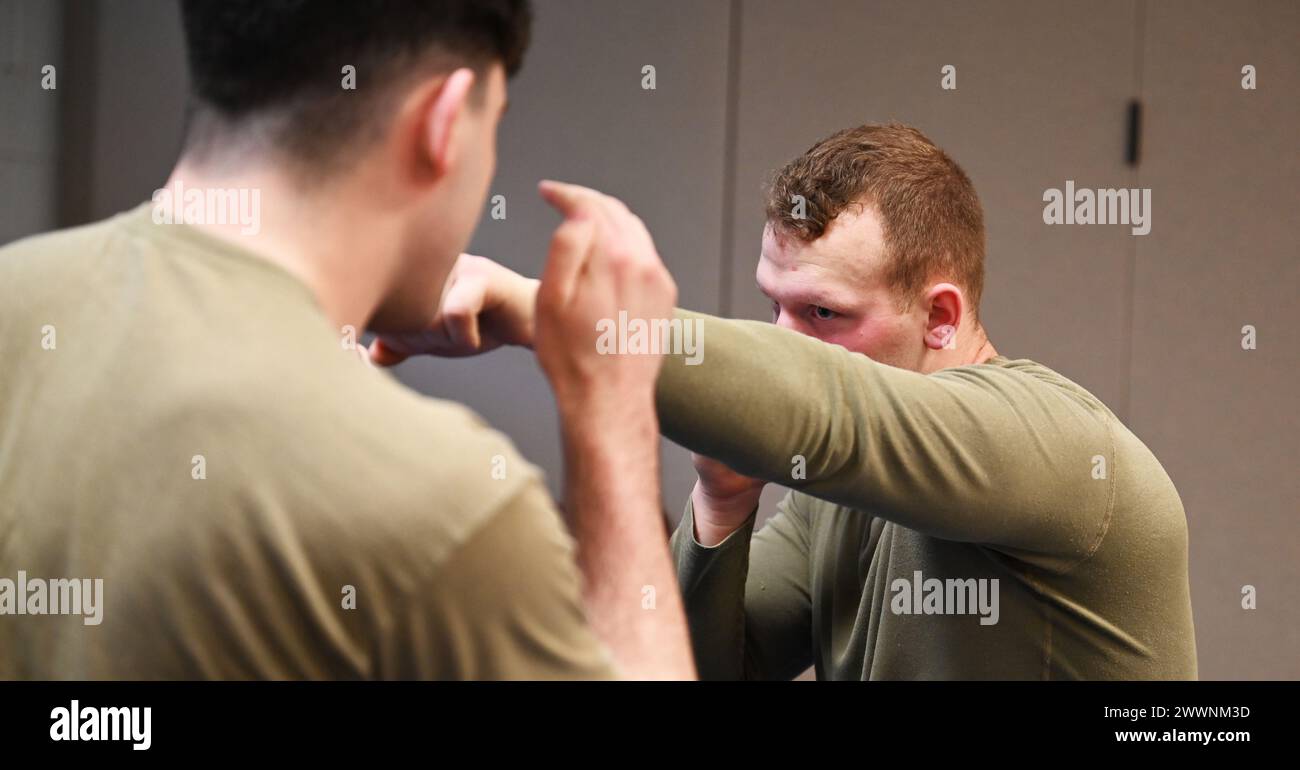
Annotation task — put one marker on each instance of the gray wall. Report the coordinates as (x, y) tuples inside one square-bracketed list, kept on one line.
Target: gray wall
[(1223, 166), (1151, 324), (30, 39)]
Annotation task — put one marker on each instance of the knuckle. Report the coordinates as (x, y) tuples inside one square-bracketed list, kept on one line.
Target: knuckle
[(648, 272), (563, 240), (620, 256)]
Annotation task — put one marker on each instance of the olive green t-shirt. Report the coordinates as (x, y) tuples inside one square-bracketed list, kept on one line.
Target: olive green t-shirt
[(993, 521), (179, 420)]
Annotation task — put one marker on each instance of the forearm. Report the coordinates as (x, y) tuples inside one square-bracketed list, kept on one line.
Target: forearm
[(612, 489), (712, 578), (768, 403), (747, 598), (715, 519)]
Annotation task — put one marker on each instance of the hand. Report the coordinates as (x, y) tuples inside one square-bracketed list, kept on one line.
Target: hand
[(484, 306), (722, 499), (602, 262)]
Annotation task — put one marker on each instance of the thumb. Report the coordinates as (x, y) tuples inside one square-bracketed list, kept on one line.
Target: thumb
[(383, 355), (460, 311)]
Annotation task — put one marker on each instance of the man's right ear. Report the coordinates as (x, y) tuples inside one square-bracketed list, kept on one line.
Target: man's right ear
[(444, 118)]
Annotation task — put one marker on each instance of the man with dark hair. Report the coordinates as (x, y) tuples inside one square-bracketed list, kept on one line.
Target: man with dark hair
[(317, 84), (955, 514), (187, 423)]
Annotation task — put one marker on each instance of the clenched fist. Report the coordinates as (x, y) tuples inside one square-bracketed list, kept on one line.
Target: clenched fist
[(602, 262), (723, 500), (483, 306)]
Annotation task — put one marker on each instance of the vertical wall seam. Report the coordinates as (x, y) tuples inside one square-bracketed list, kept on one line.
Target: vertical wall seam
[(1130, 286), (729, 138), (78, 85)]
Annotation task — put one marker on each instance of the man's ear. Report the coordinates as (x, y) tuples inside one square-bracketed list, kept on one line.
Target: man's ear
[(946, 309), (444, 113)]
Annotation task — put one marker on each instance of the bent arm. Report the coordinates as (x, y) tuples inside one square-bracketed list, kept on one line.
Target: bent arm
[(977, 453), (748, 604)]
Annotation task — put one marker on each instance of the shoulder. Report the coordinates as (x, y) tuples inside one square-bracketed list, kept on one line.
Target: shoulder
[(1022, 376), (347, 460), (55, 262), (1138, 487)]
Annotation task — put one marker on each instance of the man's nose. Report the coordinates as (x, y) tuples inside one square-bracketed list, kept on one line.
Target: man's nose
[(791, 322), (787, 321)]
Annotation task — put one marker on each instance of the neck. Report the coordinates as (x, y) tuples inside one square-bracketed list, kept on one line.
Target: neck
[(340, 246), (971, 348), (977, 349), (984, 353)]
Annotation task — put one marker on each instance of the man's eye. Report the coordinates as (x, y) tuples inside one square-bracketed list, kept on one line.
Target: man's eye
[(823, 313)]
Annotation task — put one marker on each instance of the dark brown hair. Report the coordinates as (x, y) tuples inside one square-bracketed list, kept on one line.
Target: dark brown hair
[(256, 57)]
